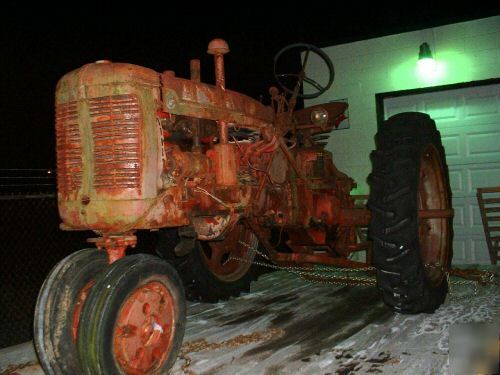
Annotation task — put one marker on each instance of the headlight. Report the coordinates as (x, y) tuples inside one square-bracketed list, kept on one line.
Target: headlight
[(319, 116)]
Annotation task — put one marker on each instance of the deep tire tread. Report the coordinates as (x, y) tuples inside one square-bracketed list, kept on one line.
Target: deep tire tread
[(381, 211), (397, 227), (394, 184)]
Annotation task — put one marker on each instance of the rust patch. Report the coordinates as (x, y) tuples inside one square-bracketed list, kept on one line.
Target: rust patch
[(260, 336), (69, 148), (202, 345), (138, 149), (117, 133)]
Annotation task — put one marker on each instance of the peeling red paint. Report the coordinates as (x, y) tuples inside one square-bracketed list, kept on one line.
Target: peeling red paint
[(137, 149)]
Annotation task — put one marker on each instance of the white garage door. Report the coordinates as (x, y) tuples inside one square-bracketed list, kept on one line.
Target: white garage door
[(469, 122)]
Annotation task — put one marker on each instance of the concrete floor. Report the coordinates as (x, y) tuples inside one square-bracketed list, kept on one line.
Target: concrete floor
[(288, 326)]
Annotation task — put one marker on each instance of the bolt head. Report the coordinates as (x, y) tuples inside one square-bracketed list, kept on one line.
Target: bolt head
[(218, 47)]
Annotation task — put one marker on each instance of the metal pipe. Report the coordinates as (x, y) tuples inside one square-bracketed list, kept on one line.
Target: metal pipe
[(220, 78), (194, 66), (223, 132), (219, 48), (292, 161)]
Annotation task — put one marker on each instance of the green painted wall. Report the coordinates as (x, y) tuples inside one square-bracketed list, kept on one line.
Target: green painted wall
[(464, 52)]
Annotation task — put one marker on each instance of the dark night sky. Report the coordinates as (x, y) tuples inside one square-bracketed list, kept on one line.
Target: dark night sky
[(39, 45)]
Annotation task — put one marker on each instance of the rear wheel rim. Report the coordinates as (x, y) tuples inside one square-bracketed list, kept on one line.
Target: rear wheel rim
[(434, 232), (230, 259), (144, 330)]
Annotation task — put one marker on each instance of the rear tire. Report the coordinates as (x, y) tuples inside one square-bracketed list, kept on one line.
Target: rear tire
[(207, 272), (412, 254)]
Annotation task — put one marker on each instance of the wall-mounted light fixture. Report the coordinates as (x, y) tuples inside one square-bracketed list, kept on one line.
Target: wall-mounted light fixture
[(426, 63)]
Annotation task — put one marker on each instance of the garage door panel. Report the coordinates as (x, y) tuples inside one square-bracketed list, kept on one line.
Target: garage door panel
[(469, 125), (442, 108), (469, 122), (467, 215), (459, 253), (399, 108), (475, 217), (459, 216), (479, 250), (456, 181), (470, 249), (483, 175), (465, 179), (471, 144), (481, 105), (484, 145), (452, 145)]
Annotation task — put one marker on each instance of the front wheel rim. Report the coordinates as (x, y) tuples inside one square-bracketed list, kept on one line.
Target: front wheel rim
[(144, 330)]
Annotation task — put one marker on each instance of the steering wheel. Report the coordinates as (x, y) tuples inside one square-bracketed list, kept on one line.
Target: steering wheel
[(301, 77)]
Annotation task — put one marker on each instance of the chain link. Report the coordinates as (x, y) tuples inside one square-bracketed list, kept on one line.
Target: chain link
[(317, 268), (312, 276), (320, 274)]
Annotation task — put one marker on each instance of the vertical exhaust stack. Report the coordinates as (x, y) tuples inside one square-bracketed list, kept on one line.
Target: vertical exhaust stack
[(195, 70), (223, 154), (219, 48)]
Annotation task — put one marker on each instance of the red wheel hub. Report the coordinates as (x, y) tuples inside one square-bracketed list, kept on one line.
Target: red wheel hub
[(144, 329)]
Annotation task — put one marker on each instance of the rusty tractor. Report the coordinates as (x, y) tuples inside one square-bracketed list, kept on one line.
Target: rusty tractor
[(224, 179)]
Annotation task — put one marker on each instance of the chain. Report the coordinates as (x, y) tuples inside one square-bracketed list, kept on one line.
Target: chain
[(317, 268), (316, 274), (319, 274), (313, 276), (255, 250), (240, 340)]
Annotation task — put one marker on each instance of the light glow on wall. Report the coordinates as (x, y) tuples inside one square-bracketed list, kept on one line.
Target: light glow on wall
[(426, 64), (426, 67), (449, 67), (430, 70)]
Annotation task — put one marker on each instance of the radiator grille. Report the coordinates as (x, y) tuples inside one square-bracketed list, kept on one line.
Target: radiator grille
[(69, 149), (116, 131)]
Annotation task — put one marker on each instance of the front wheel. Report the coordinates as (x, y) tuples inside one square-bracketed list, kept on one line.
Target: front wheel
[(134, 319), (58, 309), (411, 227)]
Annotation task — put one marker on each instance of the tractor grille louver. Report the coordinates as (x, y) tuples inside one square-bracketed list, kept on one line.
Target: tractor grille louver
[(116, 131), (69, 149)]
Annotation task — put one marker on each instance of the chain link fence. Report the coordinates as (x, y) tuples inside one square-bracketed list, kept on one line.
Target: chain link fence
[(31, 244)]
